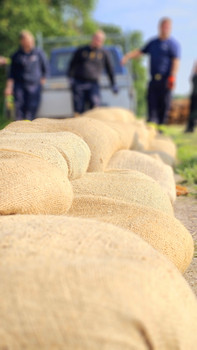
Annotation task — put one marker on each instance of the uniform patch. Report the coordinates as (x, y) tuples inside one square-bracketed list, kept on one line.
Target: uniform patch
[(92, 55)]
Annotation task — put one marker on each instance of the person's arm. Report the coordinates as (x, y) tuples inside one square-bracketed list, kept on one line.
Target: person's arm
[(9, 87), (131, 55), (110, 72), (74, 61), (109, 68), (3, 60), (10, 81), (174, 66), (172, 77), (44, 66)]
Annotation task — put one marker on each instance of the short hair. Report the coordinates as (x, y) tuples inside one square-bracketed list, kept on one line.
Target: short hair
[(27, 34), (164, 19)]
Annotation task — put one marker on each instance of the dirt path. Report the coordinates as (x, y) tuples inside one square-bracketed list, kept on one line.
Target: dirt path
[(186, 212)]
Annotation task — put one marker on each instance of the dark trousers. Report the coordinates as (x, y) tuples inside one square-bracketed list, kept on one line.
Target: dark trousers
[(193, 112), (86, 95), (27, 100), (158, 98)]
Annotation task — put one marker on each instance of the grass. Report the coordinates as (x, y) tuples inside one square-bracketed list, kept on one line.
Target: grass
[(3, 121), (187, 152)]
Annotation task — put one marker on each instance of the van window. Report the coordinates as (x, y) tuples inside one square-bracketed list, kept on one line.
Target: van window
[(62, 61)]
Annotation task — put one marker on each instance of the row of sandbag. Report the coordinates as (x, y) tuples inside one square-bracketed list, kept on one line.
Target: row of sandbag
[(128, 133), (116, 130), (79, 284), (31, 182)]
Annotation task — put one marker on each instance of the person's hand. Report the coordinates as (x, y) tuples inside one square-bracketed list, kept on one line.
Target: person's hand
[(42, 81), (124, 60), (171, 82), (115, 89), (8, 91), (3, 60)]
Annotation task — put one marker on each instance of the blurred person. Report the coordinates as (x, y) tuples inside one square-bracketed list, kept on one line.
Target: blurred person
[(164, 53), (85, 70), (193, 102), (27, 74)]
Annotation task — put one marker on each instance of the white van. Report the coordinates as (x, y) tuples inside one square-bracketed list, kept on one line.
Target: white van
[(56, 96)]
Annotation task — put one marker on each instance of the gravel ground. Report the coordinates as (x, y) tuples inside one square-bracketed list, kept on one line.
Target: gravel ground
[(186, 212)]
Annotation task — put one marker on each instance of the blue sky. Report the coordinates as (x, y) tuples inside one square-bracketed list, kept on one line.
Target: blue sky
[(143, 15)]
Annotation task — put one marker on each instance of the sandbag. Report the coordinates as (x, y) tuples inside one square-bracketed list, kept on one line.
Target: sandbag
[(43, 150), (30, 185), (63, 149), (37, 126), (165, 148), (155, 168), (162, 231), (112, 114), (126, 133), (102, 140), (127, 185), (141, 139), (51, 299)]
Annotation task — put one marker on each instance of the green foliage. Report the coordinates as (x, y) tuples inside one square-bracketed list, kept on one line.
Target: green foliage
[(139, 73), (188, 170), (187, 152)]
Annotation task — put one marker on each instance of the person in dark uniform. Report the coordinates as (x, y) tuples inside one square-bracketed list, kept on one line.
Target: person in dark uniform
[(193, 103), (26, 76), (85, 70), (164, 53)]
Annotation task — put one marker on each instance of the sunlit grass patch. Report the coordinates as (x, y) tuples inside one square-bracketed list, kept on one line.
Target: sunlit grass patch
[(187, 152)]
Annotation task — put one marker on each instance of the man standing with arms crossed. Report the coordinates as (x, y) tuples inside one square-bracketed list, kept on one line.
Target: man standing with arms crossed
[(164, 53)]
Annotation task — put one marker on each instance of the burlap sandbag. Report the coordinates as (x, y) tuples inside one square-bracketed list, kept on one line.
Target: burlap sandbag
[(54, 299), (126, 133), (127, 185), (30, 185), (102, 140), (37, 126), (141, 139), (155, 168), (73, 152), (112, 114), (162, 231), (36, 148), (165, 148)]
